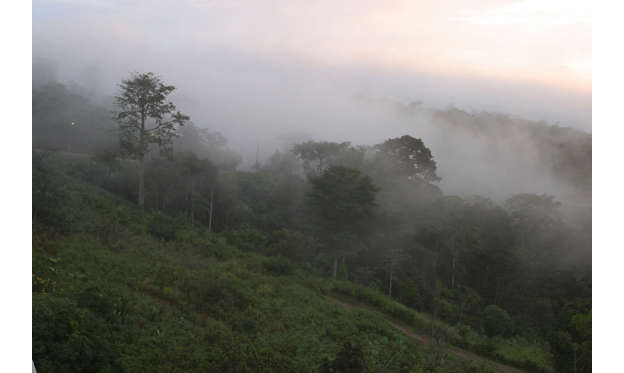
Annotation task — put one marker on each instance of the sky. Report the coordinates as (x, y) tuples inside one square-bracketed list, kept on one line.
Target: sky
[(546, 42), (260, 72), (528, 58)]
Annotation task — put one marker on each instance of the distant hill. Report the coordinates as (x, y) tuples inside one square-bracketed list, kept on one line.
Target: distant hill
[(498, 155), (115, 291)]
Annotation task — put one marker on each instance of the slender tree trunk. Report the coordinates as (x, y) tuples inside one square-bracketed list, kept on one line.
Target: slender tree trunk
[(142, 163), (192, 201), (496, 292), (453, 274), (453, 261), (574, 350), (433, 318), (142, 182), (434, 313), (210, 212), (390, 285), (434, 308), (335, 266)]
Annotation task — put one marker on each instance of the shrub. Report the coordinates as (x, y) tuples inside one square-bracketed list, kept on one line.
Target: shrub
[(292, 244), (349, 360), (48, 197), (247, 238), (278, 266), (410, 295), (162, 226), (67, 338), (448, 311), (164, 276), (496, 321), (88, 171), (108, 159), (390, 307), (96, 302)]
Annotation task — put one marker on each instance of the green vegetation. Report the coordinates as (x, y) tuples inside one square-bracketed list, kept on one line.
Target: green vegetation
[(208, 268), (517, 351), (496, 321), (123, 299)]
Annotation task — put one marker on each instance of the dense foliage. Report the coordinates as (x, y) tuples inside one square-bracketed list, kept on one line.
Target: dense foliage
[(230, 270), (133, 302)]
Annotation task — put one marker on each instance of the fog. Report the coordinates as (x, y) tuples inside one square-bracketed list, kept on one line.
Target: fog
[(258, 96), (427, 160)]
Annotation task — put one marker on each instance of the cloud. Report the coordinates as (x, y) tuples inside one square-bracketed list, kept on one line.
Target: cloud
[(257, 70)]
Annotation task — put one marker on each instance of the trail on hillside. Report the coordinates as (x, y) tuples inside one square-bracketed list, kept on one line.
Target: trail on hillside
[(423, 338)]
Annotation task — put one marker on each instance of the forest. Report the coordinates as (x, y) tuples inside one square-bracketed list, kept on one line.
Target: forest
[(155, 248)]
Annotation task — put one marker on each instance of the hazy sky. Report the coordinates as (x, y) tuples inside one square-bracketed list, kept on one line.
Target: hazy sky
[(528, 57), (326, 70)]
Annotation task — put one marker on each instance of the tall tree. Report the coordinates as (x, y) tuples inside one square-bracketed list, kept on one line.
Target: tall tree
[(342, 200), (206, 144), (199, 171), (539, 229), (317, 156), (146, 117), (410, 157)]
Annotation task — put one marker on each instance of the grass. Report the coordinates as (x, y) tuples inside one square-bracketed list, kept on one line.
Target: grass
[(517, 351), (109, 297)]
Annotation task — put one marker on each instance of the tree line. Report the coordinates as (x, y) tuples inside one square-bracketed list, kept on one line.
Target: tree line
[(374, 215)]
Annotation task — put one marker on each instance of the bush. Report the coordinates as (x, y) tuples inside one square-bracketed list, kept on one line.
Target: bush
[(410, 295), (292, 244), (108, 159), (448, 311), (278, 266), (349, 360), (67, 338), (162, 226), (87, 171), (388, 306), (48, 197), (496, 321), (98, 303), (247, 238)]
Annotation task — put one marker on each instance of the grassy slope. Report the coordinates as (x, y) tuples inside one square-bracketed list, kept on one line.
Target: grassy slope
[(520, 352), (109, 297)]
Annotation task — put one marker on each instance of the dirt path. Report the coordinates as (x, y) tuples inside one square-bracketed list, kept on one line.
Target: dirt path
[(423, 338)]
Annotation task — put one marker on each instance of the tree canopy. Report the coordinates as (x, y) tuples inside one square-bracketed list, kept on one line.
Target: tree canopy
[(410, 157), (146, 117)]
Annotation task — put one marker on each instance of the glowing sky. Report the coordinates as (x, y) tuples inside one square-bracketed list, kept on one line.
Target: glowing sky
[(528, 40), (524, 57)]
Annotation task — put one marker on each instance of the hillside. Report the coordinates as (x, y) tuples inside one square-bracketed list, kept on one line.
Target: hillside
[(110, 293), (476, 148)]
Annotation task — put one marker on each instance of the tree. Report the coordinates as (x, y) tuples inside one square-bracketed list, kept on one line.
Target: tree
[(453, 230), (146, 117), (199, 171), (342, 200), (410, 157), (390, 239), (64, 117), (206, 144), (47, 195), (318, 156), (108, 158), (283, 163), (538, 226), (349, 360), (496, 321)]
